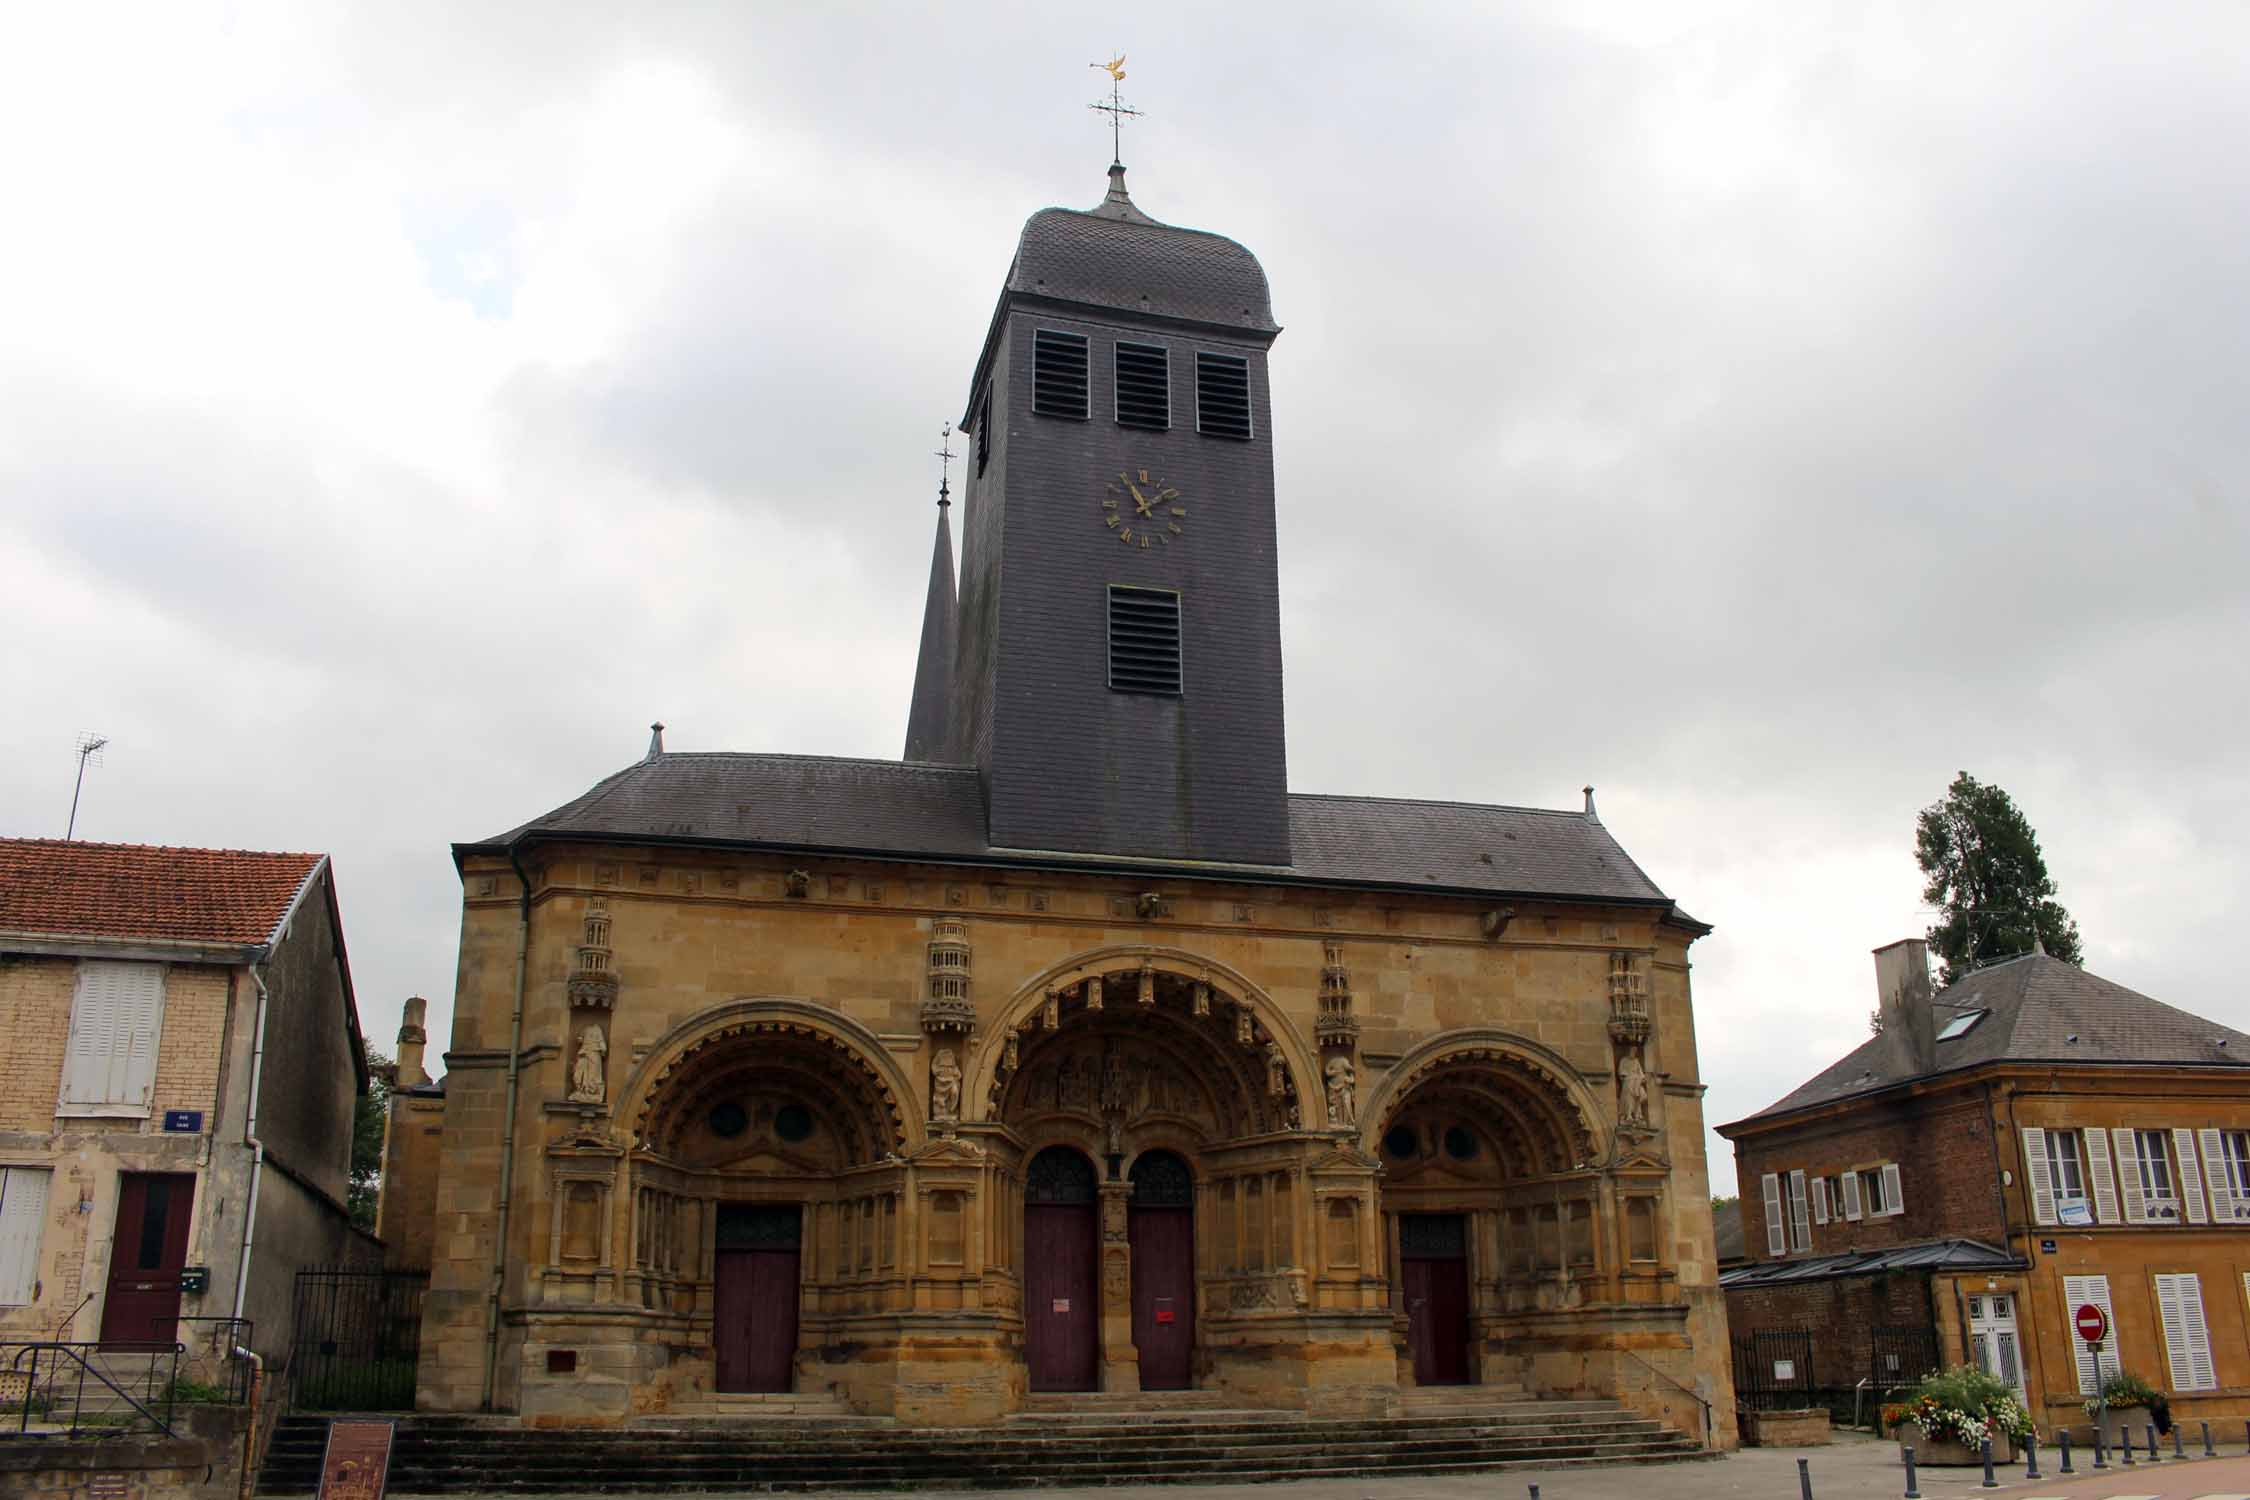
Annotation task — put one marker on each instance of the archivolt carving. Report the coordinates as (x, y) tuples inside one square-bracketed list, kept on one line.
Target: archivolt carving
[(1537, 1088), (822, 1043)]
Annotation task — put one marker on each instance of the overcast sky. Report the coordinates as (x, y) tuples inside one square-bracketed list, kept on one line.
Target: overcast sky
[(1762, 412)]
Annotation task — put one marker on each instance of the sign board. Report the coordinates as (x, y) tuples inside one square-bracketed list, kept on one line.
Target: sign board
[(1164, 1312), (106, 1487), (195, 1278), (183, 1121), (2075, 1212), (2092, 1324), (1062, 1304), (2048, 1247), (357, 1461), (1785, 1369)]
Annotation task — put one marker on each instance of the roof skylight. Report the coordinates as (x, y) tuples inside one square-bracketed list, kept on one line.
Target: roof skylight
[(1962, 1024)]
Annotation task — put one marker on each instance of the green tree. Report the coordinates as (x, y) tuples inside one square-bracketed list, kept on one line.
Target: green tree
[(1983, 871), (367, 1140)]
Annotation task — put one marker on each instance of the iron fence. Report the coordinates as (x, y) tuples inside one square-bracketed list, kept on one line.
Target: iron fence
[(358, 1336), (78, 1390)]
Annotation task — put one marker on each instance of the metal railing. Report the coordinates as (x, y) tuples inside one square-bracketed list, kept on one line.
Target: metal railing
[(89, 1390), (1696, 1396), (358, 1337)]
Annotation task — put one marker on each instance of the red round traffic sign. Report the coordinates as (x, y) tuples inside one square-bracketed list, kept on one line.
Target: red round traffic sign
[(2092, 1324)]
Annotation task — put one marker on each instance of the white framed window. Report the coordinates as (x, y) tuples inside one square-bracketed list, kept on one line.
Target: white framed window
[(2055, 1171), (116, 1020), (2235, 1147), (2077, 1292), (2145, 1157), (2187, 1343), (23, 1214), (1881, 1193), (2226, 1171)]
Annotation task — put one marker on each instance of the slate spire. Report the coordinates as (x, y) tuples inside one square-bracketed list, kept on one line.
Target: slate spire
[(927, 720)]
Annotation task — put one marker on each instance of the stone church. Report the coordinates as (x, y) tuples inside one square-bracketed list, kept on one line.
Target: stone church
[(1071, 1051)]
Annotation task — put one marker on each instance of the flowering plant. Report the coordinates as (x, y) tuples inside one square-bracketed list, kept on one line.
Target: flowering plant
[(1966, 1406), (2123, 1389)]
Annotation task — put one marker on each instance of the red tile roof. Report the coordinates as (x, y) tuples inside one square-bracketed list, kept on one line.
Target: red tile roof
[(68, 889)]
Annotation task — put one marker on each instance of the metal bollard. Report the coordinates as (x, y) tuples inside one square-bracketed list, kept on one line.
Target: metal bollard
[(1907, 1453), (2125, 1445), (2062, 1436), (1985, 1448), (2179, 1445), (2153, 1455), (2208, 1450), (1804, 1478), (2031, 1456), (2101, 1450), (1535, 1492)]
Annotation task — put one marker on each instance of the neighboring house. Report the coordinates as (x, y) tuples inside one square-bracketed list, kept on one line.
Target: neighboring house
[(2032, 1139), (178, 1068)]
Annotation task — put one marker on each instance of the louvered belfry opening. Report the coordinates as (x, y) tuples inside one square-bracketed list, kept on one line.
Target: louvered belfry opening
[(1222, 395), (1144, 640), (984, 429), (1058, 374), (1144, 386)]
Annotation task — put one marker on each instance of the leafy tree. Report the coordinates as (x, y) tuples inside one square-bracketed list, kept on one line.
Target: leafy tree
[(1983, 871), (367, 1140)]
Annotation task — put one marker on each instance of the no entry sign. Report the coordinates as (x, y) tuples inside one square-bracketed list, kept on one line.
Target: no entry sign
[(2092, 1324)]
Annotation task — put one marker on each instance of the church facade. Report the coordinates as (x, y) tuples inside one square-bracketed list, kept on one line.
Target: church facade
[(1072, 1052)]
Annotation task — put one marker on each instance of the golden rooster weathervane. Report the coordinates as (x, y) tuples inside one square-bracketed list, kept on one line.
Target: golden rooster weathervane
[(1115, 106)]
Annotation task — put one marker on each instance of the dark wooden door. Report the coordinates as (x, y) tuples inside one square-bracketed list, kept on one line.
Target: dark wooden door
[(1061, 1282), (754, 1313), (142, 1303), (1434, 1262), (1161, 1228)]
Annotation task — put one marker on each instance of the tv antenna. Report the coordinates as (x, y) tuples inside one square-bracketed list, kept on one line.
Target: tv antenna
[(89, 749)]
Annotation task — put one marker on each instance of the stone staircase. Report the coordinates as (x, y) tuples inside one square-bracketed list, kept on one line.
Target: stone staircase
[(1090, 1439)]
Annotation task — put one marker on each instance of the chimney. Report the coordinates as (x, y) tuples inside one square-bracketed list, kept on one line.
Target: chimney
[(1902, 991), (411, 1039)]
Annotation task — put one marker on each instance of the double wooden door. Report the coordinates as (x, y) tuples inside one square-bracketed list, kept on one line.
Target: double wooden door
[(1161, 1228), (1061, 1281), (141, 1304), (754, 1322), (1434, 1267)]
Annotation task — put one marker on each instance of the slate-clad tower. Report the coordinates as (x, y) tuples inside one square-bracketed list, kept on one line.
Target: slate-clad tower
[(1117, 680)]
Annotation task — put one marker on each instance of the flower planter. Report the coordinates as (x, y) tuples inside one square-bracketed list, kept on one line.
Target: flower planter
[(1941, 1454), (1785, 1429)]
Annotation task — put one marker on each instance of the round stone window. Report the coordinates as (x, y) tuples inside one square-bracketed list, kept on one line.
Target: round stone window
[(792, 1122), (1400, 1141), (729, 1120), (1459, 1144)]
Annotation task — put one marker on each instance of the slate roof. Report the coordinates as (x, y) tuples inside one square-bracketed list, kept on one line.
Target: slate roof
[(1113, 255), (58, 888), (910, 810), (2038, 1009), (1947, 1255)]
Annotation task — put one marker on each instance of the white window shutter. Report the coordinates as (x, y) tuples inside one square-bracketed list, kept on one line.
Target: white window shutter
[(93, 1033), (1800, 1217), (1820, 1200), (2129, 1175), (2191, 1179), (1894, 1197), (2078, 1290), (2215, 1173), (2187, 1342), (1777, 1242), (2038, 1176), (2099, 1181), (1851, 1196), (146, 1019), (23, 1213), (2199, 1336)]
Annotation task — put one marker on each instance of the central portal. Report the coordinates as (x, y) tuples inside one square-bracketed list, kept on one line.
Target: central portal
[(1060, 1314), (755, 1326), (1434, 1262)]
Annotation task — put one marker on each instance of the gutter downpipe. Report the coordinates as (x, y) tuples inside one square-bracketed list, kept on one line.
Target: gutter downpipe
[(507, 1136), (250, 1436), (250, 1136)]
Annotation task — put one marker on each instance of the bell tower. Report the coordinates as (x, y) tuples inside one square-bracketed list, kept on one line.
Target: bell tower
[(1117, 662)]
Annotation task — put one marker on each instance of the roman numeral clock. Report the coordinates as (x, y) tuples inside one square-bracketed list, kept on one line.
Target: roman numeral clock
[(1140, 510)]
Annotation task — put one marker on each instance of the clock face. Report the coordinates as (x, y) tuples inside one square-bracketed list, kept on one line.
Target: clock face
[(1143, 511)]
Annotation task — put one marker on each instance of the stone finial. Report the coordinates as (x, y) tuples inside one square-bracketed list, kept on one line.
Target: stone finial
[(412, 1038), (593, 982), (947, 1009), (1629, 1022), (1335, 1026)]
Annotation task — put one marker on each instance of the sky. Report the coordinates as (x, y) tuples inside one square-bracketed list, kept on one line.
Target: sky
[(1761, 412)]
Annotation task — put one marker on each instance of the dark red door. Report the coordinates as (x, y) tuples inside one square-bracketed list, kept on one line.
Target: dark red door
[(142, 1304), (1162, 1230), (1433, 1259), (1060, 1287), (754, 1317)]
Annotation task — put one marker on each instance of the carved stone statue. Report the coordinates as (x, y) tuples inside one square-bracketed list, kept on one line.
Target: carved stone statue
[(1632, 1090), (588, 1085), (945, 1087), (1115, 1100), (1343, 1096)]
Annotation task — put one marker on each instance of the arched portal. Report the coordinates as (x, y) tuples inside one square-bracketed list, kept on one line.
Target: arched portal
[(1493, 1198), (1062, 1313)]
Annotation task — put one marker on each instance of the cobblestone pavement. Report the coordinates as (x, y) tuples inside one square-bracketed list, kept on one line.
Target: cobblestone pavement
[(1851, 1468)]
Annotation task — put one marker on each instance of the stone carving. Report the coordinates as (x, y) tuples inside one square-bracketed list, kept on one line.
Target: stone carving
[(1113, 1217), (1335, 1026), (796, 885), (947, 1008), (945, 1087), (593, 983), (1252, 1296), (588, 1080), (1050, 1013), (1343, 1095), (1117, 1282), (1128, 1085), (1495, 922), (1277, 1071), (1094, 992), (1116, 1098), (1632, 1091)]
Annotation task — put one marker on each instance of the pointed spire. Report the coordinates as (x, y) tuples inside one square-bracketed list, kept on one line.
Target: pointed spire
[(655, 740), (2037, 946), (1117, 203), (1591, 815), (929, 716)]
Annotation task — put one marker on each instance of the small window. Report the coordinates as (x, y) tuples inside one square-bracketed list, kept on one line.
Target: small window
[(1871, 1192), (792, 1122), (2066, 1166), (1400, 1141), (1962, 1024), (2153, 1150), (1144, 640), (1058, 374), (2235, 1149), (1222, 395), (1144, 386), (1459, 1144)]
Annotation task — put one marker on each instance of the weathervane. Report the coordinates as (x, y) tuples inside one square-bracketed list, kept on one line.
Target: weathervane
[(1115, 107), (945, 457)]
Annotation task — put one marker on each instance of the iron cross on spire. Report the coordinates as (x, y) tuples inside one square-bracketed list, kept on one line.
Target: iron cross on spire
[(945, 456), (1115, 106)]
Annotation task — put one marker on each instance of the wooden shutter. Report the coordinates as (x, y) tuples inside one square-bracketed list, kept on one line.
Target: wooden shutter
[(2098, 1179), (1800, 1219), (1777, 1242), (1894, 1197), (23, 1212), (116, 1018), (2038, 1175), (1820, 1200), (2187, 1342), (145, 1030), (2191, 1178), (2215, 1173), (2095, 1289), (2129, 1175), (1851, 1196)]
